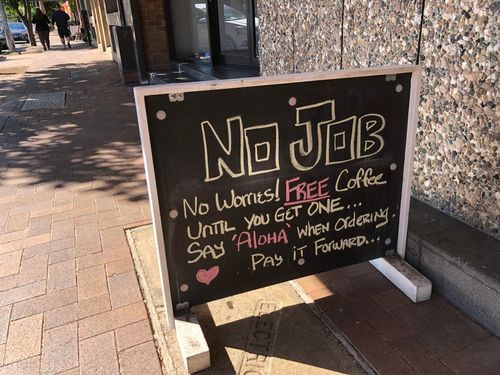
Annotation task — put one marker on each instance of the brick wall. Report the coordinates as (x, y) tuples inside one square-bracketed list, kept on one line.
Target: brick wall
[(154, 29)]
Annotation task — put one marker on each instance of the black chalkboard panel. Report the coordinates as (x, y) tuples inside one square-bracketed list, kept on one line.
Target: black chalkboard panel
[(258, 184)]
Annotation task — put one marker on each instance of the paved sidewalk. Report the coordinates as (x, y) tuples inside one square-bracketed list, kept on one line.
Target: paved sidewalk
[(70, 180), (395, 335)]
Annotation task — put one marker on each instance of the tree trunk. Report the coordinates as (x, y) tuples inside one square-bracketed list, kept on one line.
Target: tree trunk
[(27, 23), (8, 34)]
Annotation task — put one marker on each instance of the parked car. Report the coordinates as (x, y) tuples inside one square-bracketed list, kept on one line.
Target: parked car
[(19, 32)]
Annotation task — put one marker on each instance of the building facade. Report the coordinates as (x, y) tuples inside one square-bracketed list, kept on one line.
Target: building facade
[(456, 166)]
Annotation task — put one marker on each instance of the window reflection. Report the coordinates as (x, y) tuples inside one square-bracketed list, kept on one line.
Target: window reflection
[(191, 32)]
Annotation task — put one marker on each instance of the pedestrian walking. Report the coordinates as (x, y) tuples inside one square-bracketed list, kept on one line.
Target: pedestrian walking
[(61, 18), (41, 22)]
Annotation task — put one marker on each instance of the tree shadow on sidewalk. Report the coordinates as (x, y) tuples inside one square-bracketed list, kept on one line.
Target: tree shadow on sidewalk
[(91, 144)]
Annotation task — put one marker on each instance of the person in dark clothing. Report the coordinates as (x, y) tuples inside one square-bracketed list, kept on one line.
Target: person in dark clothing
[(61, 18), (42, 28)]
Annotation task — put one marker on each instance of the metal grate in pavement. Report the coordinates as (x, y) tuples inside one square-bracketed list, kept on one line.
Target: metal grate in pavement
[(46, 100)]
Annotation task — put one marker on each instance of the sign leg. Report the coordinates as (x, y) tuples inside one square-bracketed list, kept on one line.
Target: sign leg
[(411, 282), (192, 343)]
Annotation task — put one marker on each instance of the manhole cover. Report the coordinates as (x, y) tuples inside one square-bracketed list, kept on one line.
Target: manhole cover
[(46, 100), (83, 73)]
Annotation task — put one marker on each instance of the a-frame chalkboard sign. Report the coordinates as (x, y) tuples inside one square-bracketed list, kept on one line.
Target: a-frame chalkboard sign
[(258, 181)]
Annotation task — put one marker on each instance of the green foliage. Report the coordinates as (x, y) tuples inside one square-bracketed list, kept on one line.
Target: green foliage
[(11, 13), (72, 6)]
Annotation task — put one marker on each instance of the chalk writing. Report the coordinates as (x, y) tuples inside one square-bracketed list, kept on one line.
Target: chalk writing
[(258, 146)]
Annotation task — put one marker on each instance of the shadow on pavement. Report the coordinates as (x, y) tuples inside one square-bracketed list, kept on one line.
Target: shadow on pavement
[(93, 143)]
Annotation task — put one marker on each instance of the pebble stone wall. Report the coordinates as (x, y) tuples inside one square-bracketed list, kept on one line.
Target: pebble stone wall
[(299, 36), (456, 164)]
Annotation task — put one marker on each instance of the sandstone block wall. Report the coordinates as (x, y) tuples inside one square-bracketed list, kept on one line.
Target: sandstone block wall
[(456, 165)]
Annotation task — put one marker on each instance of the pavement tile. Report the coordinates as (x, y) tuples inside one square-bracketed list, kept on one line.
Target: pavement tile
[(9, 263), (373, 283), (387, 327), (129, 208), (86, 219), (482, 357), (4, 322), (335, 306), (24, 243), (452, 336), (39, 225), (112, 319), (60, 349), (76, 311), (103, 257), (60, 316), (17, 222), (87, 233), (8, 282), (119, 266), (98, 355), (76, 213), (111, 214), (62, 244), (25, 338), (25, 194), (22, 293), (73, 371), (36, 250), (113, 238), (420, 356), (312, 283), (92, 282), (2, 354), (141, 359), (62, 255), (12, 236), (146, 210), (321, 293), (336, 279), (63, 197), (63, 229), (82, 200), (61, 276), (358, 269), (42, 211), (133, 334), (29, 366), (391, 299), (379, 353), (105, 204), (44, 303), (345, 312), (33, 269), (124, 289), (120, 221)]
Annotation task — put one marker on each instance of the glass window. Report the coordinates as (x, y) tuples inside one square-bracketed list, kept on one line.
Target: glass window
[(191, 31)]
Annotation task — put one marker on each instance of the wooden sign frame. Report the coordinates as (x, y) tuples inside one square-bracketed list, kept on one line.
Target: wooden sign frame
[(176, 92)]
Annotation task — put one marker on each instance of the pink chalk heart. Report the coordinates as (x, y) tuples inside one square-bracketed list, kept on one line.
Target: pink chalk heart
[(206, 276)]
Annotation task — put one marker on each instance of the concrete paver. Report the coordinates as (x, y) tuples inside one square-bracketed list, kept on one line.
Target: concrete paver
[(98, 355), (60, 349), (25, 338), (64, 199), (139, 360), (396, 335)]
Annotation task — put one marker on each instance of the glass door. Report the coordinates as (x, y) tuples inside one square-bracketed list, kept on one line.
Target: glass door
[(237, 41)]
